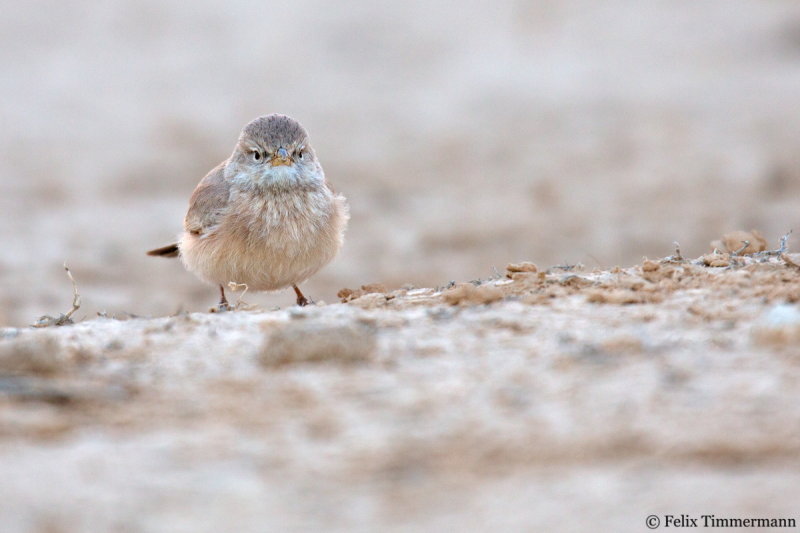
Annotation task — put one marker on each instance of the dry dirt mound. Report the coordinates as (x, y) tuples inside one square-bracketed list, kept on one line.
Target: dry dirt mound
[(542, 399)]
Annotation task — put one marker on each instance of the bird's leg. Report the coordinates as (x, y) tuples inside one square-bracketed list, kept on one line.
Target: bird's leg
[(223, 302), (302, 301)]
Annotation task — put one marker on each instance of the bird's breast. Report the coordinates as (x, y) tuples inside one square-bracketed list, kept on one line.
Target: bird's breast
[(281, 219)]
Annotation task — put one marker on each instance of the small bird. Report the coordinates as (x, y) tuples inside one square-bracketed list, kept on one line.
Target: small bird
[(265, 217)]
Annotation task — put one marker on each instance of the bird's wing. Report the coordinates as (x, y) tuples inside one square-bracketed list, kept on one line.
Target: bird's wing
[(208, 203)]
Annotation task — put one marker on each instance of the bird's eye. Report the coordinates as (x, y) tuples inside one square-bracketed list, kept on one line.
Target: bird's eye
[(256, 155), (301, 153)]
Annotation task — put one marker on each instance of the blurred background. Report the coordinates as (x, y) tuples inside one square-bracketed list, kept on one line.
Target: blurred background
[(465, 134)]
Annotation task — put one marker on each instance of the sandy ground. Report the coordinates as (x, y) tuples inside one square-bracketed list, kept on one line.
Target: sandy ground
[(556, 400), (466, 137)]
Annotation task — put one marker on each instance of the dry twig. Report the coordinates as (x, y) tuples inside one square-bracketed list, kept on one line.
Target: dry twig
[(745, 245), (782, 249), (240, 303), (62, 319), (677, 257), (566, 267)]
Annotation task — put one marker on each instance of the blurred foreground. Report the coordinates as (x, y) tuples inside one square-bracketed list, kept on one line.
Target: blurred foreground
[(542, 401)]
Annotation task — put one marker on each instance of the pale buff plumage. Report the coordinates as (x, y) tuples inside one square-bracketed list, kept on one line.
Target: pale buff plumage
[(265, 217)]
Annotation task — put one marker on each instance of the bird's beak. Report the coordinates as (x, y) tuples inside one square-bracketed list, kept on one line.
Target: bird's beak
[(281, 158)]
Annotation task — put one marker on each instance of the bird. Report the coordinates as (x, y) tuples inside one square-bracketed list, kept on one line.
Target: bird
[(266, 217)]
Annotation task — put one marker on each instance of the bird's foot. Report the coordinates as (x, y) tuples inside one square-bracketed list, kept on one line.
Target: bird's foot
[(223, 304), (302, 301)]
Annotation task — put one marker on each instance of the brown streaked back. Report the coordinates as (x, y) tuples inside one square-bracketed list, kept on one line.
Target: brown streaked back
[(208, 202)]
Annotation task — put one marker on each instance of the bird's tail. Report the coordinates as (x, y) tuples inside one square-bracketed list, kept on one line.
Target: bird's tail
[(166, 251)]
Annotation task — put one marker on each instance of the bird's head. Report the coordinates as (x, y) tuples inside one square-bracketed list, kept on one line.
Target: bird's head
[(274, 150)]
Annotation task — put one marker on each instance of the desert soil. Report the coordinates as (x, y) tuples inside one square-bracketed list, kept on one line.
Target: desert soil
[(465, 139), (564, 399)]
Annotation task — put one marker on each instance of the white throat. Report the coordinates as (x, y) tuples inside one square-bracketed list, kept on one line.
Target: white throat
[(283, 175)]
